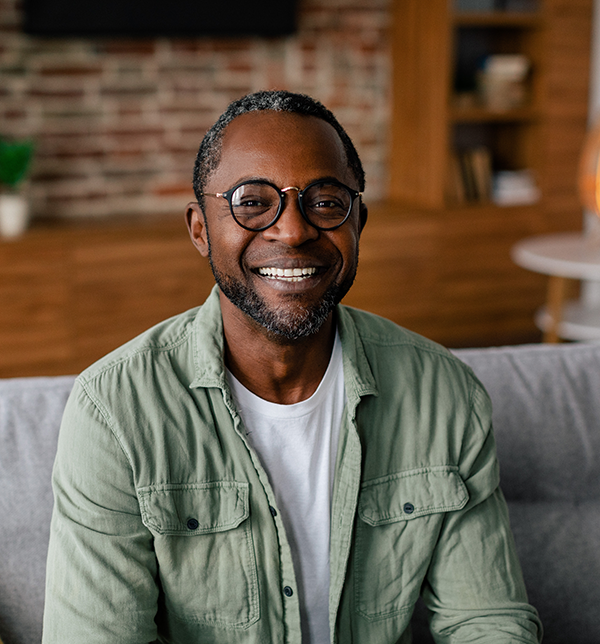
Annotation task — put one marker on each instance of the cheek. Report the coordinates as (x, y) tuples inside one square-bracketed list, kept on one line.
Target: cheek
[(348, 246), (227, 242)]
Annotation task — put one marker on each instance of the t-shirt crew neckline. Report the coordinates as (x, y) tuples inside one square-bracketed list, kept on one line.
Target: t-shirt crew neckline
[(249, 401)]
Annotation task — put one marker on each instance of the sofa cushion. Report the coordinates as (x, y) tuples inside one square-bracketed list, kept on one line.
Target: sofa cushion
[(559, 549), (30, 414)]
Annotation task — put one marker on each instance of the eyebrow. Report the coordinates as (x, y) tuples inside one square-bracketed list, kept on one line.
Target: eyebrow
[(267, 180)]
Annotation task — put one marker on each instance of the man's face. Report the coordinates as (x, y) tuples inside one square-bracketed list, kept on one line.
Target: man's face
[(252, 268)]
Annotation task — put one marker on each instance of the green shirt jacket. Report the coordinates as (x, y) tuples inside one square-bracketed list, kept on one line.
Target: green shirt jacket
[(166, 529)]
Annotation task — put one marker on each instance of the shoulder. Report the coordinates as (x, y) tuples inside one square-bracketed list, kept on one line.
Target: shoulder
[(387, 338), (401, 360), (150, 346)]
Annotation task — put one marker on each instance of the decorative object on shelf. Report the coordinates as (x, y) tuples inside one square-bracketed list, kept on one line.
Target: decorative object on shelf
[(502, 81), (514, 188), (520, 6), (476, 5), (15, 159)]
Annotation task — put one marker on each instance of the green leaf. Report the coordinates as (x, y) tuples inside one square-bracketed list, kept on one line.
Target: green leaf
[(14, 161)]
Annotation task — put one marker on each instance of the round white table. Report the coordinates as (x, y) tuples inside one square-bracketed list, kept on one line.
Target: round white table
[(563, 256)]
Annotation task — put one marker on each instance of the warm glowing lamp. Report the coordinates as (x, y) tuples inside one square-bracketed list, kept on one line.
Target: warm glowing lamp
[(589, 171)]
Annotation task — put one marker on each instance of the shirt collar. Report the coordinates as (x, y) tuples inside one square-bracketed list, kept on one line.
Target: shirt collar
[(208, 346), (358, 376), (208, 349)]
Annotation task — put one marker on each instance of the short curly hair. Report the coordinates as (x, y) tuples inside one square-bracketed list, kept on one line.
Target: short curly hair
[(209, 153)]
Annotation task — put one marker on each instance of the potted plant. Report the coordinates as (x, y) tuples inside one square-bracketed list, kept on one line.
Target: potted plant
[(15, 158)]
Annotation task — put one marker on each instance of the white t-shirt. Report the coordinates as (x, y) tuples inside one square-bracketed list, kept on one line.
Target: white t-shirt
[(297, 446)]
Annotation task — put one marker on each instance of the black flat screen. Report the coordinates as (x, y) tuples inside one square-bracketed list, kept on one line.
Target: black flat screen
[(159, 17)]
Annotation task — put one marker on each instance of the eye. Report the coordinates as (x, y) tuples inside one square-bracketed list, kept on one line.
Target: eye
[(254, 204), (251, 202), (327, 203)]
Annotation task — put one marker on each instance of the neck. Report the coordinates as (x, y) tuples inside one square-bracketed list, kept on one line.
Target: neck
[(274, 368)]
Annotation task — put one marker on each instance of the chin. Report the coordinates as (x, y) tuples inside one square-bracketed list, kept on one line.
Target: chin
[(291, 321)]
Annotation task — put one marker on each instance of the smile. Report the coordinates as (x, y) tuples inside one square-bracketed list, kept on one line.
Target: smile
[(287, 274)]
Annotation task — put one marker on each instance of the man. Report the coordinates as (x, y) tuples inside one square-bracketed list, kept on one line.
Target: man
[(273, 467)]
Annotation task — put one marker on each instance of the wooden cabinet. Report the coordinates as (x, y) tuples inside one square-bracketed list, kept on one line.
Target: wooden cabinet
[(72, 292)]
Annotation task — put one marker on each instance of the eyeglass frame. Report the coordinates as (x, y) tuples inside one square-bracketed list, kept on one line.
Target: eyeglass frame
[(228, 194)]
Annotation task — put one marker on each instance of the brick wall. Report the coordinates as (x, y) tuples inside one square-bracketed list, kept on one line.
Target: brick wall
[(117, 122)]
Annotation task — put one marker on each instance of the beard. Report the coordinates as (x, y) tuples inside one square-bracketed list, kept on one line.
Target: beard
[(291, 321)]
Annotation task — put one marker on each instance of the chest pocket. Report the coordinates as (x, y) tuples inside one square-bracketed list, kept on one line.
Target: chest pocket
[(400, 517), (203, 544)]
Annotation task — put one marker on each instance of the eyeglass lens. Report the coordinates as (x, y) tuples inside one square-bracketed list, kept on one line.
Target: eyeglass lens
[(256, 205)]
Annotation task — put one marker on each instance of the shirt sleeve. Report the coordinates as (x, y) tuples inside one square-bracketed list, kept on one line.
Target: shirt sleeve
[(474, 587), (101, 572)]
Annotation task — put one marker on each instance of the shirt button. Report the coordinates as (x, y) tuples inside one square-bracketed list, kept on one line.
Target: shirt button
[(287, 591), (192, 524), (273, 511), (409, 508)]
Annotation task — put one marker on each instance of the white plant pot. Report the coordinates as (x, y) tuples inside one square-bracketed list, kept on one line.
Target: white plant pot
[(14, 215)]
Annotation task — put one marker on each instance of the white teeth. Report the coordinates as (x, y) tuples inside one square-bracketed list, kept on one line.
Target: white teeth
[(288, 274)]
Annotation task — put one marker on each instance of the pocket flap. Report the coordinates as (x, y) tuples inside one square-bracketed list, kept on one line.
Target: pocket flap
[(407, 495), (194, 508)]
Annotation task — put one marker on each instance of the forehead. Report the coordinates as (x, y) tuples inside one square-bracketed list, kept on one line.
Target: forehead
[(281, 146)]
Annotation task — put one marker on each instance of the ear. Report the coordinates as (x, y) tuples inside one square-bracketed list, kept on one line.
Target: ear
[(196, 224), (363, 216)]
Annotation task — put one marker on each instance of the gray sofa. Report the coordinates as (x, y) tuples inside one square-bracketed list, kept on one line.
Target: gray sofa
[(547, 420)]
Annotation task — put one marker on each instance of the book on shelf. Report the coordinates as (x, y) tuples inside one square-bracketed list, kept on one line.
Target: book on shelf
[(496, 5), (456, 188), (481, 163), (475, 5), (470, 176)]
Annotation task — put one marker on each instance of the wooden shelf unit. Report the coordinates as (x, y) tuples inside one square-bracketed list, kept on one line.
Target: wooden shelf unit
[(497, 19), (436, 51), (485, 115)]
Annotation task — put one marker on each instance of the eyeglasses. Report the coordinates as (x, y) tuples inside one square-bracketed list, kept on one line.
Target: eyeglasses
[(256, 205)]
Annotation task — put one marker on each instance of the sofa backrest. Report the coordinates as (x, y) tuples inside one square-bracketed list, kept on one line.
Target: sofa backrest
[(30, 413), (546, 418), (547, 423)]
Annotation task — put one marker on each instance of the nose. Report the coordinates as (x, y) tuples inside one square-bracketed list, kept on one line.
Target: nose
[(291, 228)]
